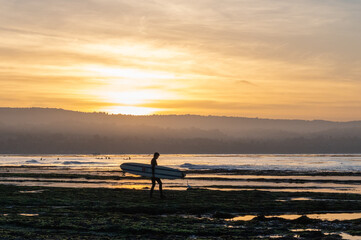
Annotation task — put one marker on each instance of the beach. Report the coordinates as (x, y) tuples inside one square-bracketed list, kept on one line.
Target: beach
[(171, 119), (88, 197)]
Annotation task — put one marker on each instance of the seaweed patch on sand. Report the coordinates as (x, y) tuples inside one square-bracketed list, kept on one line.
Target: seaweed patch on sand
[(98, 213)]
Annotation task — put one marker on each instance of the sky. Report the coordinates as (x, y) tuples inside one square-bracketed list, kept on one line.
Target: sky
[(286, 59)]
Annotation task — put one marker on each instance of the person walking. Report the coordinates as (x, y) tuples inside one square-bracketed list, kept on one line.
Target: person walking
[(154, 179)]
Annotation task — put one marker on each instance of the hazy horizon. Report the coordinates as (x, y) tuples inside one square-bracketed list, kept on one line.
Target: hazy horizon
[(44, 130), (184, 114)]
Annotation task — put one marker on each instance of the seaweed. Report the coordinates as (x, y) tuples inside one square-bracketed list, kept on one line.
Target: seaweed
[(98, 213)]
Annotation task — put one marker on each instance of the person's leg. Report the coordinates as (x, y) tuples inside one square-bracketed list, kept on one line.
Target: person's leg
[(152, 188), (160, 187)]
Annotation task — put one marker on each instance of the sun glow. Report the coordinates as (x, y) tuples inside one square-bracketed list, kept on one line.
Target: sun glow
[(128, 73), (130, 97), (130, 102), (124, 90), (130, 110)]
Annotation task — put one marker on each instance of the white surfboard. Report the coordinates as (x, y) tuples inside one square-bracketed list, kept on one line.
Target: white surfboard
[(145, 170)]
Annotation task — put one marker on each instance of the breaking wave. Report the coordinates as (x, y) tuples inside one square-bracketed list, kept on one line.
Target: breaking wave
[(32, 161)]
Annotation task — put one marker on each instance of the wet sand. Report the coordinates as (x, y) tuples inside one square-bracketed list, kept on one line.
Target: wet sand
[(291, 181)]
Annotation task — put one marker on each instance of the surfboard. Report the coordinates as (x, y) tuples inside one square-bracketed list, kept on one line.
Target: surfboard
[(145, 170)]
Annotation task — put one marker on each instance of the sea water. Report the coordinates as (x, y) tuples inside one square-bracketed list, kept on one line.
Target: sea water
[(282, 162)]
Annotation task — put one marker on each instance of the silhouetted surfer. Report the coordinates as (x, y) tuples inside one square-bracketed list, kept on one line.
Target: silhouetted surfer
[(154, 163)]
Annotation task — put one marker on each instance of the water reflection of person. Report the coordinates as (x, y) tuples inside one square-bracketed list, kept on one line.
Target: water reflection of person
[(154, 163)]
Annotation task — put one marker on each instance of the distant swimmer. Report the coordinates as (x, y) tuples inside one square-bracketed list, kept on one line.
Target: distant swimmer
[(154, 163)]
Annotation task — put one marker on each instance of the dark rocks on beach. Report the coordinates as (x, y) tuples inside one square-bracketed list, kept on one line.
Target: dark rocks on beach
[(222, 215), (303, 220), (32, 161), (85, 213), (260, 218)]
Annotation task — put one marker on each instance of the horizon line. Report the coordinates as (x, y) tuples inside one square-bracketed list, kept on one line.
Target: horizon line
[(197, 115)]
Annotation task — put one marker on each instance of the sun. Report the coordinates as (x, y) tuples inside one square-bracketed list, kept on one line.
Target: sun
[(134, 102), (130, 110)]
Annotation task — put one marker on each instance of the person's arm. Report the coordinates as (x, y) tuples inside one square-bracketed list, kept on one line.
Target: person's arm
[(153, 168)]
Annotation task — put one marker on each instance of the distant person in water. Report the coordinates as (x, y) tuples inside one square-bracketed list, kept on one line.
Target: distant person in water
[(154, 163)]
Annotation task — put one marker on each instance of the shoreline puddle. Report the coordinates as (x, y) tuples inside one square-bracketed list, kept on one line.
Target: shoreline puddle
[(323, 216), (33, 191), (28, 214), (347, 236)]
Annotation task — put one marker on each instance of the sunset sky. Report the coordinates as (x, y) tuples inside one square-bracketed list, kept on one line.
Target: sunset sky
[(268, 59)]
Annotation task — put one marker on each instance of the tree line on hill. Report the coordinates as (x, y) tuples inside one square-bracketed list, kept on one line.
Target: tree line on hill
[(41, 130)]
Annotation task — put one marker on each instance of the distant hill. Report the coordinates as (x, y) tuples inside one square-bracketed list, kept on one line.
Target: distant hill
[(46, 130)]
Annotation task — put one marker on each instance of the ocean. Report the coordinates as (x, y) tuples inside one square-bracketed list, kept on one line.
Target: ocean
[(293, 162)]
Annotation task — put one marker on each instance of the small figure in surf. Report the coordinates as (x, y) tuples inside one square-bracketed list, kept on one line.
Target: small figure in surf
[(154, 163)]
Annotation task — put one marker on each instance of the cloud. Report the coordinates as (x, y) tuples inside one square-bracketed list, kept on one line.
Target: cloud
[(244, 82), (209, 104)]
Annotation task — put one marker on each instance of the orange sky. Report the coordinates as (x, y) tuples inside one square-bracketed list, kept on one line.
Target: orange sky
[(267, 59)]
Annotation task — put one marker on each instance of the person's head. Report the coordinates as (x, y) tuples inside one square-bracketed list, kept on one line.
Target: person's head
[(156, 155)]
